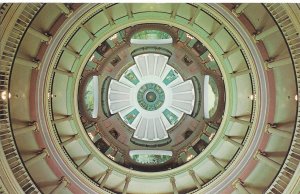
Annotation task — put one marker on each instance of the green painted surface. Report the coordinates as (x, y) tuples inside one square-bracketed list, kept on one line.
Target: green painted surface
[(129, 74), (171, 117), (182, 35), (171, 76), (130, 117), (110, 43), (121, 35), (192, 42), (205, 138), (151, 96)]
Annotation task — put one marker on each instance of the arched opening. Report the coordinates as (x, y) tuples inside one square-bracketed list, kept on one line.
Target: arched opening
[(150, 157), (151, 37)]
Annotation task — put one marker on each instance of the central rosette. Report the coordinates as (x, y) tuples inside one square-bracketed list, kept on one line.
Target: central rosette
[(150, 96)]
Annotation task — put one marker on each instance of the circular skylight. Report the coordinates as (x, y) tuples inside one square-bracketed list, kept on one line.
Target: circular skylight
[(151, 97)]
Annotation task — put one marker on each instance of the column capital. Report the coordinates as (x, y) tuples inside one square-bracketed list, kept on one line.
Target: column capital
[(70, 13), (259, 152), (239, 185), (273, 125), (191, 172), (237, 181), (44, 150), (235, 13), (34, 123), (63, 182), (109, 171), (271, 60), (76, 137), (63, 178), (211, 157), (172, 179), (128, 178), (267, 128), (240, 8), (266, 64), (253, 36), (90, 156), (65, 10), (225, 137), (49, 39), (38, 64)]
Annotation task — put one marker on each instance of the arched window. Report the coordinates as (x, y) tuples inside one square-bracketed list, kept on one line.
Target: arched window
[(91, 96), (151, 37), (211, 96), (150, 157)]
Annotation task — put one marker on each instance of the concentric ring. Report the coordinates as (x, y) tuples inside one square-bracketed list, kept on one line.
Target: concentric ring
[(192, 152), (150, 96)]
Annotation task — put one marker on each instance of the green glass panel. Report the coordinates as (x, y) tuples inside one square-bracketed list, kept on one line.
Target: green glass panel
[(151, 35), (171, 76), (151, 158), (131, 77), (129, 118), (89, 97), (215, 90), (171, 117)]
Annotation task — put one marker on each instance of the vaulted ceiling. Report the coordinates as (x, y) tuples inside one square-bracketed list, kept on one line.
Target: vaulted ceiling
[(48, 141)]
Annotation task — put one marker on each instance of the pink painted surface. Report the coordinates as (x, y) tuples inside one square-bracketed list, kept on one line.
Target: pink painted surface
[(32, 89), (248, 25), (230, 6), (57, 24), (41, 51), (263, 51)]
